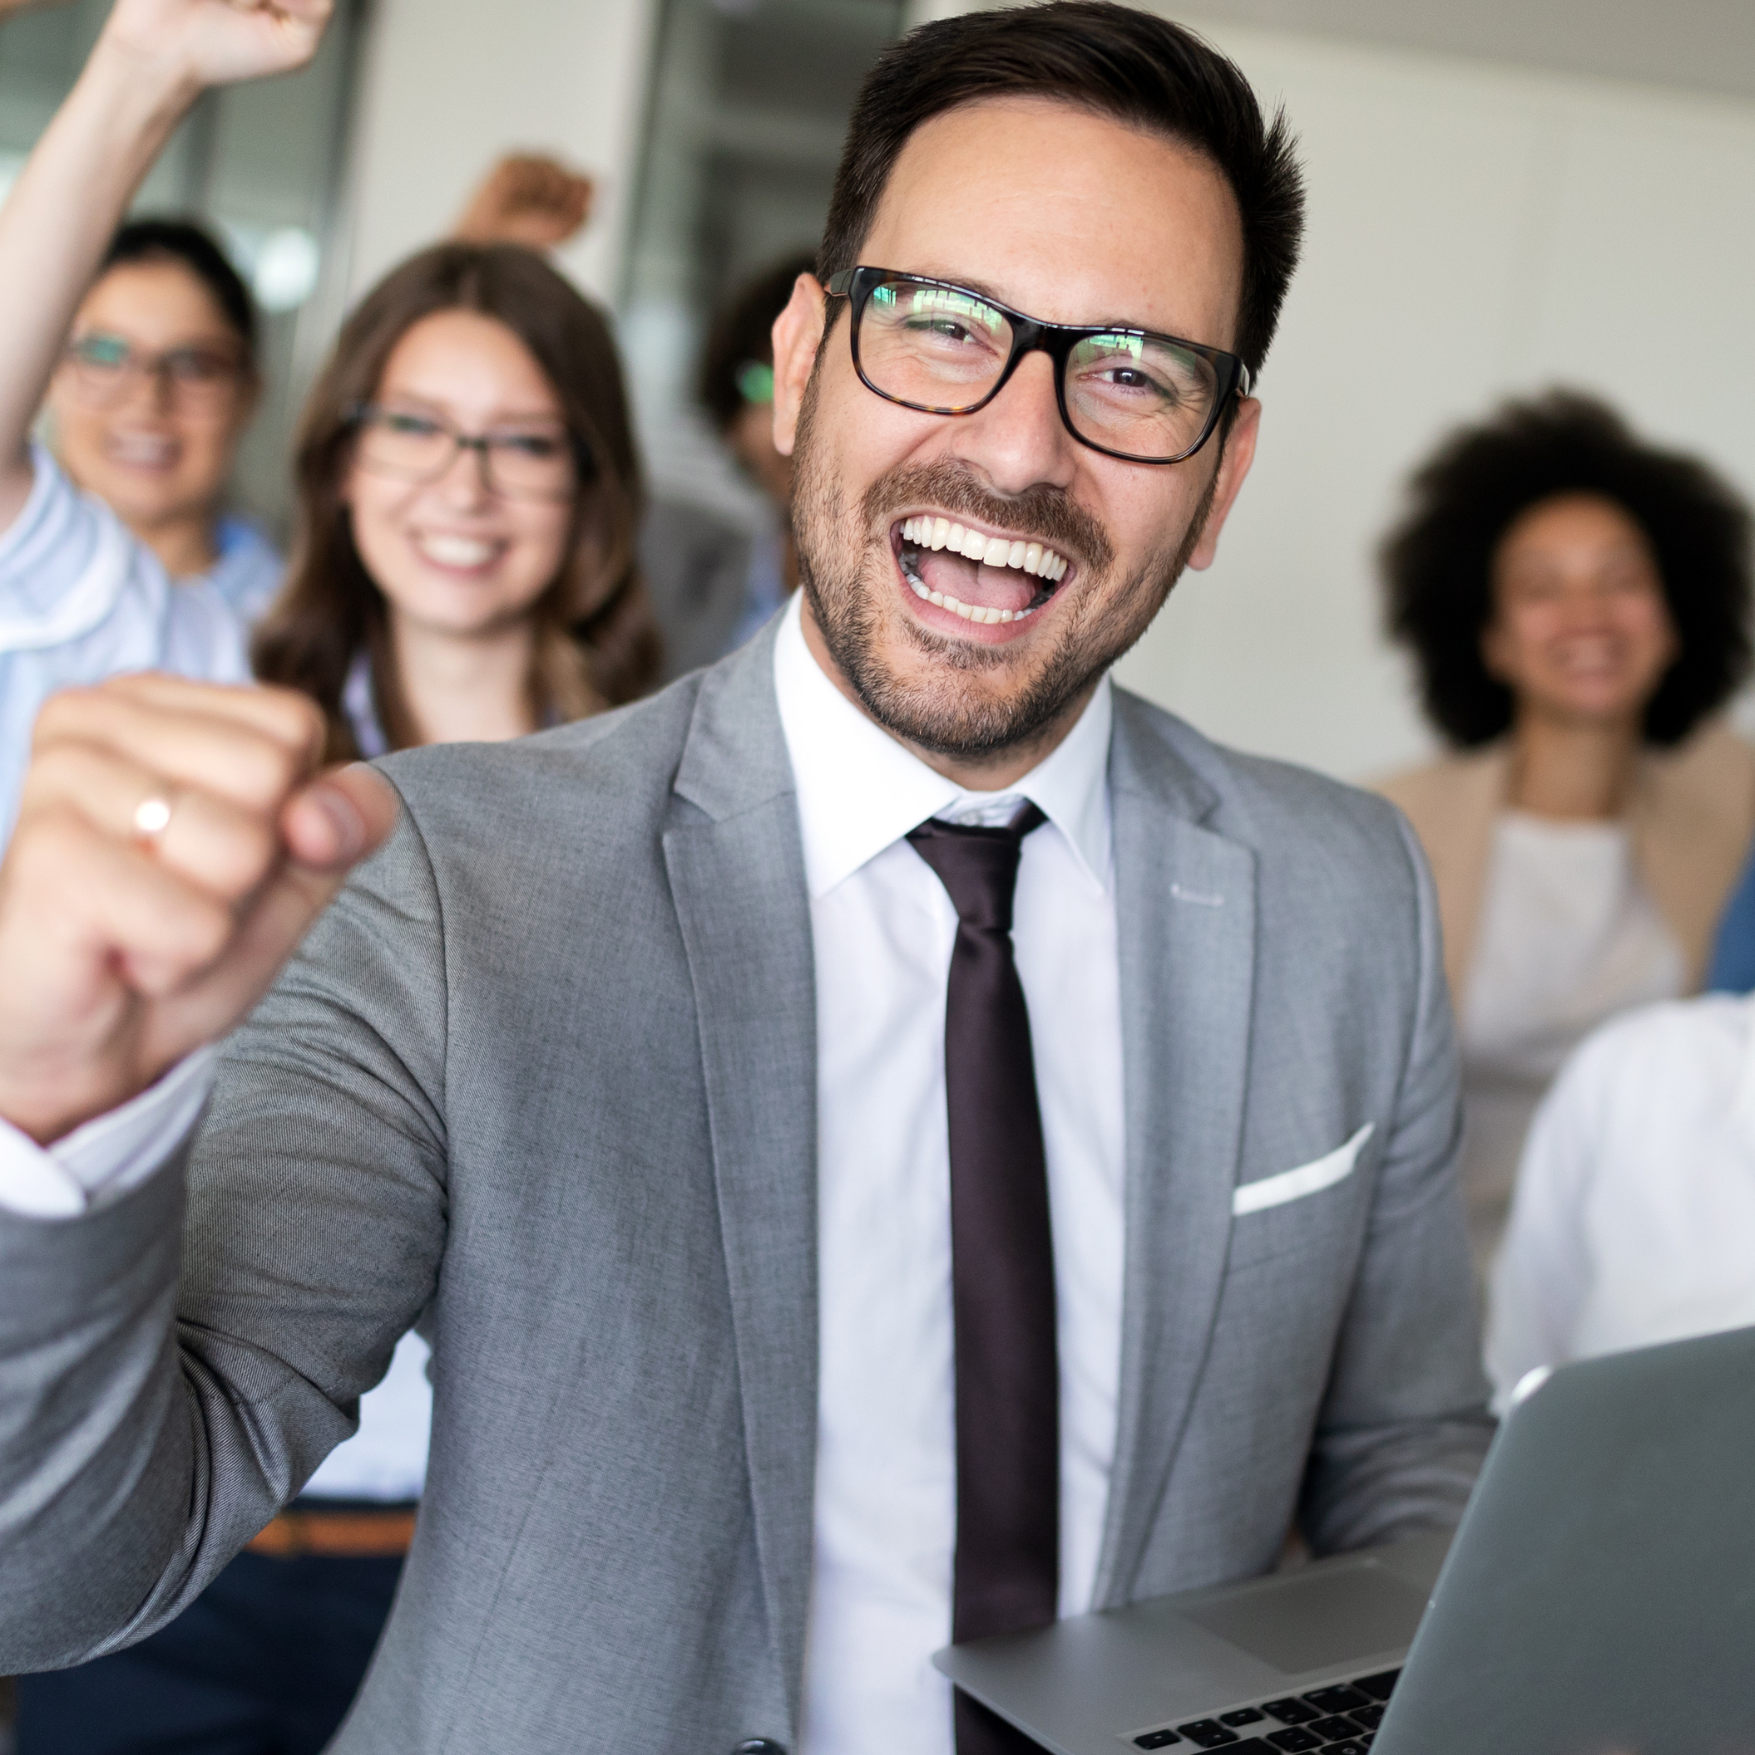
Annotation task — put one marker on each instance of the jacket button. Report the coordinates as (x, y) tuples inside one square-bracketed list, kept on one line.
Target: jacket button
[(760, 1746)]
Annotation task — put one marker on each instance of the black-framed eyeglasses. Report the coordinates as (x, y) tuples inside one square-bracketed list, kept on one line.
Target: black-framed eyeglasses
[(518, 462), (105, 368), (945, 349)]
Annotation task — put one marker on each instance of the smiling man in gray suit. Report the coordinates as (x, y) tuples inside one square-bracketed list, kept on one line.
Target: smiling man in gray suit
[(892, 1138)]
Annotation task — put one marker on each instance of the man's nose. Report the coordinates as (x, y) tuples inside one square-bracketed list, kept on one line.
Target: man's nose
[(1018, 441)]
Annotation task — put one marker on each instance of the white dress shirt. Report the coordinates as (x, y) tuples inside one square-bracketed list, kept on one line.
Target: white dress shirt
[(883, 927), (1634, 1219), (80, 600)]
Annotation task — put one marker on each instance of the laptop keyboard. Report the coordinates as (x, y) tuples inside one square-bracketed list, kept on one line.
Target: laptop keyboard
[(1341, 1719)]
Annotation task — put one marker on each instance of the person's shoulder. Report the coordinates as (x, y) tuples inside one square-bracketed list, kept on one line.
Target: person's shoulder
[(1710, 774), (1631, 1096), (1712, 751), (89, 600), (1439, 787), (1652, 1046), (607, 767), (65, 560), (1260, 800)]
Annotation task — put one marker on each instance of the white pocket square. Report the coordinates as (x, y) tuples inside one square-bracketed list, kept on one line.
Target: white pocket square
[(1312, 1178)]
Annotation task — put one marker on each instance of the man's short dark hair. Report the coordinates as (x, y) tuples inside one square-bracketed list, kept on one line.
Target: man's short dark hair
[(1438, 562), (194, 248), (1114, 61)]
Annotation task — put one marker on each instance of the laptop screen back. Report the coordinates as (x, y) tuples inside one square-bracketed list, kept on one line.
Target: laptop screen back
[(1600, 1596)]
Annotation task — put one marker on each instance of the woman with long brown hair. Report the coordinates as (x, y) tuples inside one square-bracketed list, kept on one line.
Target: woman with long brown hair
[(463, 565)]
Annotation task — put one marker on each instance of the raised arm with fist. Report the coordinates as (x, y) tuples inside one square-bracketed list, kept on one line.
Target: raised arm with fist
[(176, 840), (153, 59), (217, 42)]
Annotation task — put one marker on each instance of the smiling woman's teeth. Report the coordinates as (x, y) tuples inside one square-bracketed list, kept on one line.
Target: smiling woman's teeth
[(456, 551)]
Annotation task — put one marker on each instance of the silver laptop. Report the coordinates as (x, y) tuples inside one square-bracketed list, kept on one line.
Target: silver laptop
[(1598, 1599)]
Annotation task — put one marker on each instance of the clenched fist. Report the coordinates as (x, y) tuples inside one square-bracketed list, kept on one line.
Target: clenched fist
[(527, 199), (174, 842), (216, 42)]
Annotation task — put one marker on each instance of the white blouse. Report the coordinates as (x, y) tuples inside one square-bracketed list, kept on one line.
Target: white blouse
[(1568, 937)]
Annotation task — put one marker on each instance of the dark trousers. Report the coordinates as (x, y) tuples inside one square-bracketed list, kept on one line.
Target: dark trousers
[(266, 1662)]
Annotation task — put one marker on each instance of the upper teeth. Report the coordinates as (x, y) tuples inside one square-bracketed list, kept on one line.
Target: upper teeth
[(140, 448), (990, 551), (457, 551)]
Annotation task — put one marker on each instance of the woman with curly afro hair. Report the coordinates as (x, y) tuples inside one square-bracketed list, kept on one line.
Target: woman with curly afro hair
[(1576, 603)]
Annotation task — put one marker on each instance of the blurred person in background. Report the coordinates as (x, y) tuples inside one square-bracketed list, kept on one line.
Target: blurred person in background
[(1733, 947), (1576, 603), (156, 388), (469, 494), (81, 597), (162, 376), (1634, 1214), (737, 385), (714, 584)]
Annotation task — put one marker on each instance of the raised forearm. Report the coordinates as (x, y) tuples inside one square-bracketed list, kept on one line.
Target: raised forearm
[(60, 216), (152, 61)]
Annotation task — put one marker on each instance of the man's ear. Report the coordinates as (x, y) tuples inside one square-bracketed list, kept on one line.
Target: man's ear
[(1234, 465), (798, 333)]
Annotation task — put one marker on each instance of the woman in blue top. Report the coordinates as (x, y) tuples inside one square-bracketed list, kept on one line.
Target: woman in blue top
[(150, 386), (154, 392)]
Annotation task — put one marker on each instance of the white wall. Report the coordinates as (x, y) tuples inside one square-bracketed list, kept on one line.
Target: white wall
[(450, 85), (1473, 231)]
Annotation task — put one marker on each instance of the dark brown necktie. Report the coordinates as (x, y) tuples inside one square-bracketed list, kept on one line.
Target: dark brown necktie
[(1007, 1566)]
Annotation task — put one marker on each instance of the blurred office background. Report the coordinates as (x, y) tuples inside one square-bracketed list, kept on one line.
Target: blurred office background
[(1502, 197)]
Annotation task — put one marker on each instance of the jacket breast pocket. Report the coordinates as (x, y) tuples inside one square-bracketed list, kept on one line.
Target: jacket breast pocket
[(1280, 1212)]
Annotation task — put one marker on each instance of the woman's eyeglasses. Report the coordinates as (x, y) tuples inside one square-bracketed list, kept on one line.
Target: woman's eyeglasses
[(518, 463), (106, 368), (943, 349)]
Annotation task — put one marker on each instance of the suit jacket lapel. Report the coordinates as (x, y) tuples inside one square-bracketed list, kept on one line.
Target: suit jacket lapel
[(736, 870), (1186, 907)]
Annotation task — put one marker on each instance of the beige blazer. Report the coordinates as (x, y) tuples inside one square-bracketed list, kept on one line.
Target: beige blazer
[(1692, 816)]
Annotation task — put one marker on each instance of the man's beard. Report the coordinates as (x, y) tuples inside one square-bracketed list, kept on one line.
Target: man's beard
[(848, 578)]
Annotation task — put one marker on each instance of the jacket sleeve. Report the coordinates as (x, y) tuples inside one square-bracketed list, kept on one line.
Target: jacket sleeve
[(1403, 1425), (174, 1365)]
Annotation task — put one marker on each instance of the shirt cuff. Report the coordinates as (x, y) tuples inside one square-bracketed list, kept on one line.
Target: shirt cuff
[(111, 1154)]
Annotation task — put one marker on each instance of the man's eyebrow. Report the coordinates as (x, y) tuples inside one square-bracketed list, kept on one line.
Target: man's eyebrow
[(979, 287), (1121, 326)]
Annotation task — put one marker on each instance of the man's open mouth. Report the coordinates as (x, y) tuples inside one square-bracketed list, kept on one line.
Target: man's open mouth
[(974, 574)]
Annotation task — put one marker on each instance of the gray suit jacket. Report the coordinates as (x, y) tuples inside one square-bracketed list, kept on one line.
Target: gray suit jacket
[(543, 1079)]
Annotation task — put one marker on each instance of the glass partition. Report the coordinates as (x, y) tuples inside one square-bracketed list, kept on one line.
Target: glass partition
[(749, 104)]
